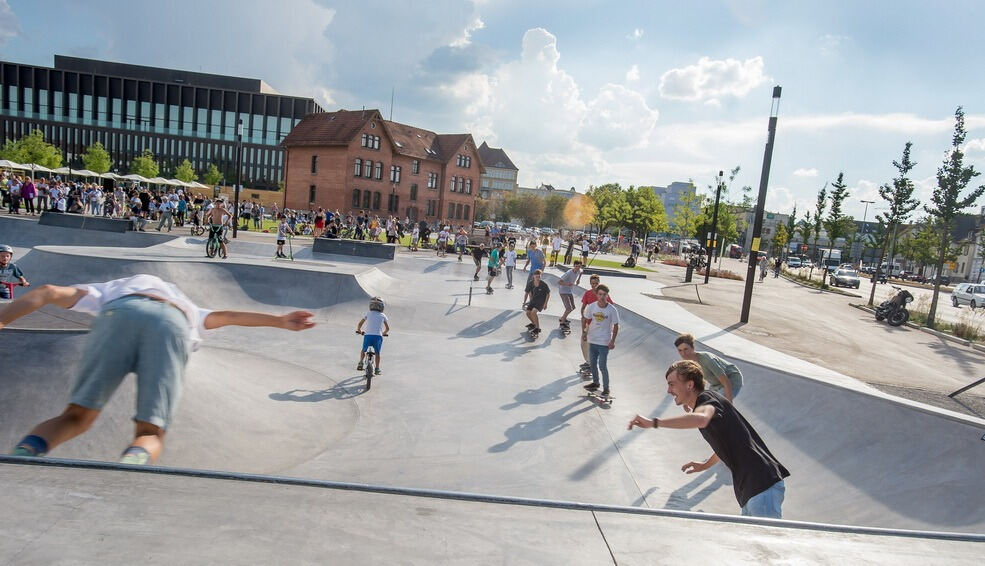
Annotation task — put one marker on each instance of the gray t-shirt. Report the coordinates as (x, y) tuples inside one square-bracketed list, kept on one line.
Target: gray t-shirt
[(569, 277), (714, 366)]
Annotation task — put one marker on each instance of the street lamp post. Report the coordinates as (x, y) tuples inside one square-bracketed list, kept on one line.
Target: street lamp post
[(865, 230), (239, 174), (713, 233), (757, 227)]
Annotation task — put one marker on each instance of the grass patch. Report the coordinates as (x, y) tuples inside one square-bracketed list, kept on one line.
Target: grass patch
[(615, 264)]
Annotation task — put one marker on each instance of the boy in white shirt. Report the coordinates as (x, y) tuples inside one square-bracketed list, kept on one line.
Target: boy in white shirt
[(415, 238), (509, 262), (283, 228), (143, 325), (377, 326)]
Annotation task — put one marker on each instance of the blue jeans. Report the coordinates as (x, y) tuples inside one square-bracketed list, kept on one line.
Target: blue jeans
[(598, 357), (766, 503)]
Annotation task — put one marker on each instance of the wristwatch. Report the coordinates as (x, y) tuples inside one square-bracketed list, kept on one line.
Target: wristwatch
[(656, 423)]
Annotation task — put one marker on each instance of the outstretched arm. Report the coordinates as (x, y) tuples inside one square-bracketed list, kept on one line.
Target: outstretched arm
[(64, 297), (297, 320), (699, 418)]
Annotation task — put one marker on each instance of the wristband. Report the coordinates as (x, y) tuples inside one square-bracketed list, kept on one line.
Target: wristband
[(656, 423)]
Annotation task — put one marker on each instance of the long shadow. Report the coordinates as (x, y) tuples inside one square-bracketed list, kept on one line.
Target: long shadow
[(520, 346), (548, 392), (683, 499), (434, 267), (968, 360), (727, 330), (484, 327), (346, 389), (540, 427)]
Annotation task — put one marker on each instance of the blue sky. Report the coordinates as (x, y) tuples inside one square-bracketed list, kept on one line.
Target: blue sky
[(587, 92)]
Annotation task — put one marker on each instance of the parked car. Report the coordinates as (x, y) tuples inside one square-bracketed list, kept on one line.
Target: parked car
[(971, 294), (793, 262), (946, 280), (807, 263), (845, 278)]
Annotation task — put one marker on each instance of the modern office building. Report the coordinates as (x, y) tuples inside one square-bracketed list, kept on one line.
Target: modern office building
[(175, 114), (501, 174), (672, 194)]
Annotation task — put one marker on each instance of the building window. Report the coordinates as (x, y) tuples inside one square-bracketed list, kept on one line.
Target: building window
[(454, 180), (371, 142), (468, 186), (314, 165), (359, 167), (464, 161), (432, 180), (355, 198), (413, 191), (451, 210), (367, 169), (365, 140), (431, 208), (376, 200), (394, 203), (415, 166), (378, 171), (366, 198), (311, 194), (466, 215), (395, 174), (461, 184)]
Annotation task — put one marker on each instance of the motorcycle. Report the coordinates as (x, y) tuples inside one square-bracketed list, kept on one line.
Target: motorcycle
[(894, 310)]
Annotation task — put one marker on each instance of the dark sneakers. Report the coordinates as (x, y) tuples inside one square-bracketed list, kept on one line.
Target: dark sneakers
[(592, 386)]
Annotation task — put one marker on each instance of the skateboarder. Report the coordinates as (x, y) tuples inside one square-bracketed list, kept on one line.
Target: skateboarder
[(588, 298), (143, 325), (599, 327), (757, 476), (567, 284), (722, 376), (377, 326), (535, 299), (477, 252), (493, 267)]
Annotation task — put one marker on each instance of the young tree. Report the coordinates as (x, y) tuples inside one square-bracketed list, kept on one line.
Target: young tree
[(781, 239), (822, 201), (554, 211), (32, 149), (899, 196), (185, 172), (952, 178), (646, 212), (144, 165), (792, 222), (834, 225), (97, 159), (687, 214), (805, 227), (212, 176)]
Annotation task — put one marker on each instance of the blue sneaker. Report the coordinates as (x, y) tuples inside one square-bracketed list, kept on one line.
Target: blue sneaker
[(26, 451)]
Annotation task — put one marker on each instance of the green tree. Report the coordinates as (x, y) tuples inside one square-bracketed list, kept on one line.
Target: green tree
[(185, 172), (97, 159), (981, 253), (32, 149), (212, 176), (834, 224), (899, 196), (646, 212), (792, 223), (144, 165), (728, 222), (611, 209), (952, 178), (687, 214), (805, 227), (822, 202), (527, 208), (781, 239), (554, 211)]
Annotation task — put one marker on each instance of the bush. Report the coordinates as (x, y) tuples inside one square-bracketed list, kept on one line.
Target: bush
[(969, 326), (721, 273)]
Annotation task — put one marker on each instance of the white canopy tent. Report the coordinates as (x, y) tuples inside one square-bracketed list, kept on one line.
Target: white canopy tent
[(6, 164)]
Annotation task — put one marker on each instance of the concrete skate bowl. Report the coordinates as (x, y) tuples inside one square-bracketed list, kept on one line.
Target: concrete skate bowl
[(26, 233)]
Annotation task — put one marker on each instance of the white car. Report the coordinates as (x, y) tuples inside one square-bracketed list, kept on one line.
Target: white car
[(972, 294)]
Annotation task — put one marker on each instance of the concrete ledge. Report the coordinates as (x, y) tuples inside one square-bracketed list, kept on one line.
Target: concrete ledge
[(82, 222), (354, 248), (606, 272)]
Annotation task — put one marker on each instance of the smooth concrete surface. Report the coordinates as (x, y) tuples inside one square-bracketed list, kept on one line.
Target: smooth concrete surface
[(467, 403), (353, 248), (84, 222)]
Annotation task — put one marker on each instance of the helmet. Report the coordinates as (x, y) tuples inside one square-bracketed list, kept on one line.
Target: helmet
[(376, 304), (6, 248)]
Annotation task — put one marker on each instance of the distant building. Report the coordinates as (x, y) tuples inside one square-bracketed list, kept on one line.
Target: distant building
[(771, 220), (356, 160), (544, 191), (500, 174), (672, 195)]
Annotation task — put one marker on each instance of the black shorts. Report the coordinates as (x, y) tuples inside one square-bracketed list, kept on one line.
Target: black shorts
[(281, 242), (493, 272), (215, 231), (533, 306)]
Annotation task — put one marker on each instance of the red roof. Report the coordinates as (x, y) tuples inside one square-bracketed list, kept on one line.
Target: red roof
[(329, 128)]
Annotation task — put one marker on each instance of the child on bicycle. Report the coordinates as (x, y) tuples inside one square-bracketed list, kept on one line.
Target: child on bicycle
[(377, 326), (283, 228), (9, 272)]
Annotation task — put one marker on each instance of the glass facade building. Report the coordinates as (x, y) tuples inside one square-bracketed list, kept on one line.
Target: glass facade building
[(175, 114)]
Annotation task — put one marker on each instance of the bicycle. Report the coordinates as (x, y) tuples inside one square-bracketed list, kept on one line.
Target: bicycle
[(213, 246), (370, 354), (197, 229)]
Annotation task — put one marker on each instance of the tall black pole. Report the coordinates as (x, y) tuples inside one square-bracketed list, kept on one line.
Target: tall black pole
[(757, 227), (239, 174), (713, 235)]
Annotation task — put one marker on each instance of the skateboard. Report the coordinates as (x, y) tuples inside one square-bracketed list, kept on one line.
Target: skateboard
[(489, 291), (585, 373), (533, 333), (599, 398), (565, 328)]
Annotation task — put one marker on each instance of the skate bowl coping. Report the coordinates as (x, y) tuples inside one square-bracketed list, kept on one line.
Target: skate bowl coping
[(354, 248)]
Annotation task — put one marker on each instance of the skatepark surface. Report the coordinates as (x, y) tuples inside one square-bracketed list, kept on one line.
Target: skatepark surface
[(467, 407)]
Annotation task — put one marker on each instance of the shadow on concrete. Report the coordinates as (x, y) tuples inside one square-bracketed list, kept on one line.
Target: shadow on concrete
[(692, 493), (347, 389), (540, 427), (484, 327), (544, 394), (726, 330)]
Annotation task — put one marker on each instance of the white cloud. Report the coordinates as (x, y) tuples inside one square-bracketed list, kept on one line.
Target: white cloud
[(617, 118), (466, 37), (9, 27), (713, 79), (975, 146), (780, 199), (633, 74), (636, 35), (831, 44), (805, 172)]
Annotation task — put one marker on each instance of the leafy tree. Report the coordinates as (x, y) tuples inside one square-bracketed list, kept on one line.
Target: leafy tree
[(185, 172), (97, 159), (554, 210), (687, 214), (822, 201), (527, 208), (805, 227), (901, 202), (144, 165), (483, 209), (952, 178), (728, 222), (611, 209), (646, 212), (212, 176), (835, 224), (32, 149), (781, 239), (792, 223)]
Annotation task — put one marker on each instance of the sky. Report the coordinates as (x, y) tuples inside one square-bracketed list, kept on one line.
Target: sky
[(585, 92)]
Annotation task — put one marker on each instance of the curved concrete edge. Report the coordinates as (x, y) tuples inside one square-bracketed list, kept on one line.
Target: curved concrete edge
[(489, 499)]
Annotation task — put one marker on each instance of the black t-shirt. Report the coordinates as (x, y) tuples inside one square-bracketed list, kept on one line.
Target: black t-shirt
[(754, 468), (477, 254), (538, 294)]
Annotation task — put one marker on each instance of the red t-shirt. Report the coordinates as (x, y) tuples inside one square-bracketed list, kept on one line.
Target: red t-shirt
[(590, 297)]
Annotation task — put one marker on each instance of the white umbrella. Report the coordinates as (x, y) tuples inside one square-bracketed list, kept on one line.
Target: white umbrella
[(158, 181), (36, 167), (62, 171), (176, 183), (86, 173), (11, 165), (197, 185), (135, 177), (113, 176)]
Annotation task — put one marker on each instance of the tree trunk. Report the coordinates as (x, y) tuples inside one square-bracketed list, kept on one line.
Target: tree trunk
[(937, 283), (889, 264)]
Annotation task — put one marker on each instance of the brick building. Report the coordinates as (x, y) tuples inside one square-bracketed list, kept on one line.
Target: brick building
[(356, 160)]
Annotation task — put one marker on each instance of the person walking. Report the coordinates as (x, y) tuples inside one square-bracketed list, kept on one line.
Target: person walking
[(722, 376), (509, 262), (757, 475), (555, 248), (143, 325), (167, 213), (600, 326)]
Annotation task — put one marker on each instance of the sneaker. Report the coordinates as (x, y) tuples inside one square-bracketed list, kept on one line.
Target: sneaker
[(585, 366), (605, 392), (531, 325), (592, 386), (26, 451), (359, 367), (476, 278), (377, 371), (135, 456)]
